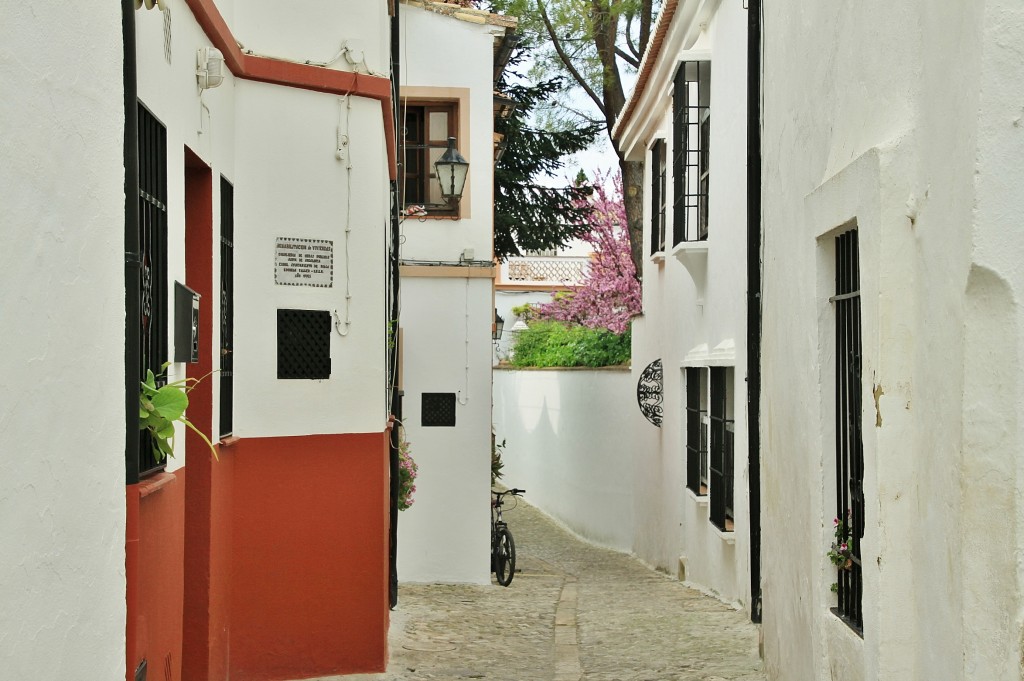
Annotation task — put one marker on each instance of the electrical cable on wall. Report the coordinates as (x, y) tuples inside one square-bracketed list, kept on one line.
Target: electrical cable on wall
[(467, 348), (344, 153)]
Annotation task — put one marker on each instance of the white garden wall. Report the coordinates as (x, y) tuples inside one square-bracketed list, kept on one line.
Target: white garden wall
[(569, 441), (62, 414)]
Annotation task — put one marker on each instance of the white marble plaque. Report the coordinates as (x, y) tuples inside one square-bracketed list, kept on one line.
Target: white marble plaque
[(304, 262)]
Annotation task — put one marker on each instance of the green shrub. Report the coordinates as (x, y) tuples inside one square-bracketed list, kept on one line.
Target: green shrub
[(554, 344)]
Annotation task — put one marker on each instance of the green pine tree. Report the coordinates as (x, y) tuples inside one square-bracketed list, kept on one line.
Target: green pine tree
[(528, 214)]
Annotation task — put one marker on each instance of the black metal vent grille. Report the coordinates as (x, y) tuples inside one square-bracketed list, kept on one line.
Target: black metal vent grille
[(303, 344), (438, 409)]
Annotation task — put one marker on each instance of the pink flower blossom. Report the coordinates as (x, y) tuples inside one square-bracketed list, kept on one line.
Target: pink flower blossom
[(610, 295)]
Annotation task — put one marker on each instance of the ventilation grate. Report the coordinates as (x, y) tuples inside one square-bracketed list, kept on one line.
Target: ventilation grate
[(438, 409), (303, 344), (167, 34)]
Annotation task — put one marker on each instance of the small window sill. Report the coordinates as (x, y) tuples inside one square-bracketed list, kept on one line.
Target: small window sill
[(658, 258), (728, 535), (228, 441), (694, 257), (424, 218), (701, 499), (154, 484), (845, 620)]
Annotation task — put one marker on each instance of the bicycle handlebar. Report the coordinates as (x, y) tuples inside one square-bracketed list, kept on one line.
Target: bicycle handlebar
[(514, 492)]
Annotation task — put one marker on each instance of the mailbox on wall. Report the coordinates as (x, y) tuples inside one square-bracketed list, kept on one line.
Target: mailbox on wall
[(186, 324)]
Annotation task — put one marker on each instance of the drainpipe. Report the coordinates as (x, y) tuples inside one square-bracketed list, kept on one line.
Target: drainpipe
[(132, 333), (754, 237), (132, 258), (396, 397)]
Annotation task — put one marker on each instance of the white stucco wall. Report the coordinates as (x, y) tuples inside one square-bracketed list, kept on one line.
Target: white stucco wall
[(314, 31), (558, 446), (445, 536), (446, 318), (899, 117), (62, 433), (694, 307), (288, 183)]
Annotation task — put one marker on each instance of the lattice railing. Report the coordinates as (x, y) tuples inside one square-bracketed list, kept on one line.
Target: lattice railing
[(548, 271)]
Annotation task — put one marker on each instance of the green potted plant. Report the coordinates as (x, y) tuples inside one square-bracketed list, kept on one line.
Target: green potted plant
[(160, 407), (839, 553)]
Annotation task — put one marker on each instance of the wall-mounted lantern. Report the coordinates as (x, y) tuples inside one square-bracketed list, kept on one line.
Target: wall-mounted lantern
[(451, 171), (499, 326)]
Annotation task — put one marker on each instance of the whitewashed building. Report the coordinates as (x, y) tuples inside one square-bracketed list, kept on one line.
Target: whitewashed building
[(893, 139), (172, 197), (686, 121), (62, 434), (449, 61)]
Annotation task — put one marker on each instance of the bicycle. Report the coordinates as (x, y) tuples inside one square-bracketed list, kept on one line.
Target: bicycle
[(503, 547)]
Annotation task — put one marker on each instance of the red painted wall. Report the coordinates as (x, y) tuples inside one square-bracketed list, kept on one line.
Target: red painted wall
[(309, 556), (208, 508), (154, 538)]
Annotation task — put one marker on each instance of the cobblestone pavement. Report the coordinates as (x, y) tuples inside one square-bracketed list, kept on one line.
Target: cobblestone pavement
[(575, 611)]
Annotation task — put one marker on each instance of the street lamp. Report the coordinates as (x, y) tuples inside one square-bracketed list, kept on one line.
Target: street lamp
[(451, 171), (499, 326)]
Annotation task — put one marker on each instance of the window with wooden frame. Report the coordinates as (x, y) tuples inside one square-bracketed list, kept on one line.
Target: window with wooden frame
[(426, 127)]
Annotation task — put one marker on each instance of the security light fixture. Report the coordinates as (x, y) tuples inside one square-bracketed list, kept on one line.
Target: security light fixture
[(209, 67), (451, 171)]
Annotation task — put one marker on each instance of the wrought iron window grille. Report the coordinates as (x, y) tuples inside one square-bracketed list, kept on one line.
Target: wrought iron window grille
[(721, 450), (154, 273), (696, 430), (658, 198), (691, 146), (849, 425), (227, 306), (649, 392)]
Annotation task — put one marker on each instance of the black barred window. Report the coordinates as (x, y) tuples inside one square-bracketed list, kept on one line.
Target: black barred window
[(691, 137), (154, 295), (849, 427)]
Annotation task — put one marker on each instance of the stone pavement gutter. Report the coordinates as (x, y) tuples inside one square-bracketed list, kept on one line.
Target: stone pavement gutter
[(575, 611)]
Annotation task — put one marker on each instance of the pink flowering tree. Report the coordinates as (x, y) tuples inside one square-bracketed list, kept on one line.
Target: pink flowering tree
[(609, 295)]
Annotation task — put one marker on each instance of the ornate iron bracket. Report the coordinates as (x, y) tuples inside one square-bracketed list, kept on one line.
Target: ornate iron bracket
[(649, 392)]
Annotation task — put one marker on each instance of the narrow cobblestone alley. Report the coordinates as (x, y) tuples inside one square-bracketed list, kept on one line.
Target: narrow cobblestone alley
[(575, 611)]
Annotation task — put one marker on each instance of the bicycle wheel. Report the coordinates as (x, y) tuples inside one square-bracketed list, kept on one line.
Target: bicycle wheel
[(504, 557)]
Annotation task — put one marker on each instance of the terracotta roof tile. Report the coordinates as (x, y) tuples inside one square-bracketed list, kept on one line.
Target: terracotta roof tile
[(650, 58), (464, 13)]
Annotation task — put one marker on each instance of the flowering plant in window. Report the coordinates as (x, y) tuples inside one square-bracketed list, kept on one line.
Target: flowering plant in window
[(407, 470), (840, 552)]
